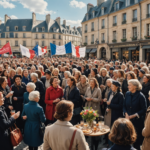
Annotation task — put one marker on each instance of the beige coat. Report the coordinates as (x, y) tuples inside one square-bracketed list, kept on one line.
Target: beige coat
[(58, 137), (120, 80), (146, 132), (82, 88), (97, 96), (64, 83)]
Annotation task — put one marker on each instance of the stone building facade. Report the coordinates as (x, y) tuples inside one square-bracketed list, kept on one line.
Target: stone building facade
[(118, 29)]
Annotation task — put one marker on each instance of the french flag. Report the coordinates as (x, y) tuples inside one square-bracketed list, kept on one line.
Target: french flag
[(61, 50), (78, 52), (40, 51), (27, 52)]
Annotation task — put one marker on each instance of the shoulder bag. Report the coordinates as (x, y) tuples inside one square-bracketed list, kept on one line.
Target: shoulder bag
[(74, 133)]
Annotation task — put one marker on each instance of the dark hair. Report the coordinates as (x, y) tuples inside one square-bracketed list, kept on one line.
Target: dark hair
[(122, 73), (132, 74), (24, 71), (39, 74), (2, 79), (4, 73), (123, 132), (147, 76), (96, 83), (52, 79), (62, 109), (72, 78)]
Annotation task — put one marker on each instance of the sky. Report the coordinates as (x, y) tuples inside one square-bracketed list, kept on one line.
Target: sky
[(72, 11)]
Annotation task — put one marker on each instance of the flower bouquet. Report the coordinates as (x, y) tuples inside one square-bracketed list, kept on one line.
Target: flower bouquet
[(89, 115)]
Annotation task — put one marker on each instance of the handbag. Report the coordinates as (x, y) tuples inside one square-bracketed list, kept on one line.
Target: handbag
[(15, 136), (74, 133), (77, 111), (42, 129)]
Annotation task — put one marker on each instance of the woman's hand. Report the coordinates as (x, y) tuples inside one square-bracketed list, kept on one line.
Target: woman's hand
[(24, 117), (62, 98), (101, 86), (105, 100), (10, 107), (15, 99), (108, 103), (16, 115), (127, 116), (88, 99), (9, 94), (56, 100), (107, 110)]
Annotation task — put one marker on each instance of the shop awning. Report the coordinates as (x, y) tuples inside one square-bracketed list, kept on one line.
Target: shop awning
[(88, 50), (146, 47), (132, 48), (93, 50)]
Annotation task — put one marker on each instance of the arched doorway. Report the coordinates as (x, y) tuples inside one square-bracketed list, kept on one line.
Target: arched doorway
[(103, 53)]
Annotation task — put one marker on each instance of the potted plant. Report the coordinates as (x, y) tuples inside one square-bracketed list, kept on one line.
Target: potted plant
[(123, 40), (114, 40), (134, 38), (85, 44), (147, 37)]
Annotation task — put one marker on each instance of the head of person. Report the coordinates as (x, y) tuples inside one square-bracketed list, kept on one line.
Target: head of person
[(146, 69), (121, 73), (34, 77), (108, 67), (134, 85), (83, 79), (34, 96), (123, 67), (77, 75), (30, 87), (136, 71), (71, 81), (109, 82), (83, 68), (141, 73), (1, 99), (115, 87), (55, 72), (33, 69), (64, 110), (25, 73), (123, 132), (41, 68), (131, 68), (115, 73), (94, 72), (47, 74), (103, 72), (3, 82), (54, 81), (111, 69), (146, 78), (4, 73), (17, 79), (12, 73), (67, 74), (93, 83), (39, 73), (19, 71)]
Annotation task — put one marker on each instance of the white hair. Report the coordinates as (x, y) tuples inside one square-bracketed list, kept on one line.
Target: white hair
[(68, 73), (109, 80), (35, 75), (33, 95), (136, 83), (19, 68), (31, 85), (115, 71)]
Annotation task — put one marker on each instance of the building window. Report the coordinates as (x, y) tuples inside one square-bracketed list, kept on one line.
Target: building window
[(92, 26), (43, 36), (135, 32), (24, 28), (16, 43), (124, 33), (37, 29), (59, 36), (36, 43), (103, 23), (135, 15), (36, 36), (114, 20), (87, 17), (16, 35), (102, 11), (92, 41), (117, 6), (43, 44), (54, 36), (135, 1), (148, 29), (43, 29), (103, 37), (86, 41), (124, 18), (54, 42), (24, 35), (54, 29), (7, 35), (127, 2), (7, 28), (148, 11), (86, 28), (16, 28), (93, 14), (114, 35), (24, 43), (59, 43)]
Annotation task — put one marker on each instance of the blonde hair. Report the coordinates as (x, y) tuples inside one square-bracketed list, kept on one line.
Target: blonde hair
[(146, 69), (19, 68), (55, 69), (12, 70), (102, 70), (136, 83)]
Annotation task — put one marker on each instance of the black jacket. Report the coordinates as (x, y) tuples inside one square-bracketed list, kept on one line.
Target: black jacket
[(43, 79), (5, 124), (124, 86), (121, 147), (100, 80)]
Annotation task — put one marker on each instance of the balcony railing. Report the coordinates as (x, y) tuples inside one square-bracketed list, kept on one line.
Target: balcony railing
[(148, 15), (92, 42), (124, 40), (134, 19), (147, 37), (92, 29), (124, 22), (114, 40), (103, 27), (114, 24), (85, 31), (134, 38), (103, 41)]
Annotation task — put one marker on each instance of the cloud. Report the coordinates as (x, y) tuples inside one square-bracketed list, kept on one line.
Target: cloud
[(37, 6), (7, 4), (2, 19), (77, 4), (74, 23), (13, 17)]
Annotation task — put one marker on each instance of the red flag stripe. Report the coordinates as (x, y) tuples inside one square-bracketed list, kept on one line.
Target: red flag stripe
[(77, 51)]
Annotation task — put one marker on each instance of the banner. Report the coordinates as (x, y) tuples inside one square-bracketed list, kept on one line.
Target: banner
[(6, 49)]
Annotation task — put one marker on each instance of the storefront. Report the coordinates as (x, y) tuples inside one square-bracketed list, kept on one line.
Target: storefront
[(88, 52), (115, 54), (146, 49), (103, 53), (93, 52), (17, 54)]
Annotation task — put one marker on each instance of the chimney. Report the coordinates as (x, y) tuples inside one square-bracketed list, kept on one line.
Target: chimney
[(64, 23), (74, 28), (33, 17), (69, 27), (58, 20), (100, 2), (6, 18), (48, 18), (89, 6)]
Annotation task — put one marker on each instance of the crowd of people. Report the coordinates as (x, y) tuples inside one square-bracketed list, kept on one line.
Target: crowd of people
[(54, 91)]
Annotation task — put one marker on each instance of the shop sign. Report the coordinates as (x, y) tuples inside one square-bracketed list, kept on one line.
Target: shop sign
[(126, 45)]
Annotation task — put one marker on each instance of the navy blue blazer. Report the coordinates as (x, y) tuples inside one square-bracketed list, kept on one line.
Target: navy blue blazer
[(121, 147), (135, 103), (116, 106)]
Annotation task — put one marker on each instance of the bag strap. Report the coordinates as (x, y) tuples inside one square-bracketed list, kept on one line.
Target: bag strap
[(74, 133)]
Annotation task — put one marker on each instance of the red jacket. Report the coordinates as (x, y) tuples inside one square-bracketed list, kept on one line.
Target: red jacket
[(50, 96)]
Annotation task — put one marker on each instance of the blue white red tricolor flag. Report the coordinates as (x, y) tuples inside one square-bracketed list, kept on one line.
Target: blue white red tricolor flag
[(40, 51)]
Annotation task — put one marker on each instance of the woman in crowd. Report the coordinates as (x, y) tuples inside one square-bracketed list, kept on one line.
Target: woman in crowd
[(71, 93), (39, 74), (25, 77), (77, 76), (121, 76), (5, 74), (19, 89), (146, 87), (67, 74), (129, 75), (33, 115), (33, 69), (5, 124), (122, 134), (41, 69), (19, 71), (135, 109), (146, 130), (115, 73), (141, 75), (55, 72), (12, 73), (53, 95), (83, 71), (136, 71), (59, 135), (30, 87)]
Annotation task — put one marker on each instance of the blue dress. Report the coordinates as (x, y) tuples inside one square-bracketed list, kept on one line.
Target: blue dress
[(35, 115), (25, 98)]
